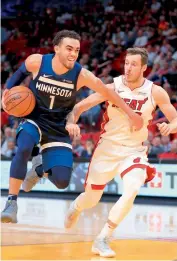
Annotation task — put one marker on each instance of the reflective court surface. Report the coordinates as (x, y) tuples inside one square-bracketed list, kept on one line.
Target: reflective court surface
[(147, 233)]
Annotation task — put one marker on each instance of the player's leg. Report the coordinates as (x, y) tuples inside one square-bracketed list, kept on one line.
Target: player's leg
[(57, 162), (60, 176), (85, 200), (26, 143), (34, 174), (99, 174), (57, 168), (132, 182)]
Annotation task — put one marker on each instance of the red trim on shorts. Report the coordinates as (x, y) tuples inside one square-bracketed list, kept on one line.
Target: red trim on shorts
[(151, 172), (97, 187), (105, 120)]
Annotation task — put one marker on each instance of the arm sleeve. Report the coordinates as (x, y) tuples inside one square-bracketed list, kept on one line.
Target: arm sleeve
[(17, 77)]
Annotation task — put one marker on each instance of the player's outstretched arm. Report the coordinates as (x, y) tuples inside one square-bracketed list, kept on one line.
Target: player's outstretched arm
[(79, 108), (163, 101), (84, 105), (86, 78), (31, 65)]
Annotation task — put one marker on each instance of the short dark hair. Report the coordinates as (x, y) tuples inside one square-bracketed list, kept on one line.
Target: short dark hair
[(64, 34), (141, 51)]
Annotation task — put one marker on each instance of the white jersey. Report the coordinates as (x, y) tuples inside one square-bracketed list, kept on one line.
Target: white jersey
[(117, 124)]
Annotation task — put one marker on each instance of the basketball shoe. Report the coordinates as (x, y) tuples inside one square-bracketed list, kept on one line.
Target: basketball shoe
[(32, 178), (101, 247), (9, 214)]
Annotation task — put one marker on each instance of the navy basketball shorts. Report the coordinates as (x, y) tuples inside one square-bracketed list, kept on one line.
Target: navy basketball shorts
[(55, 152)]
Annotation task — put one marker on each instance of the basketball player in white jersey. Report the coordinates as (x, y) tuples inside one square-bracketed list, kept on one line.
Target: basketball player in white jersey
[(120, 150)]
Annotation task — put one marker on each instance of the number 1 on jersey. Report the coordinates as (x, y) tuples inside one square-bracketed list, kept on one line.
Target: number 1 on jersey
[(52, 101)]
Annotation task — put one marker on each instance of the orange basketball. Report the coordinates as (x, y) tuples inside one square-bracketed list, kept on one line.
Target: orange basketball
[(19, 101)]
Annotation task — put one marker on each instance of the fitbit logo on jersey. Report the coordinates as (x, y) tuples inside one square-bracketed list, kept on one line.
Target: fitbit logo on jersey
[(53, 90)]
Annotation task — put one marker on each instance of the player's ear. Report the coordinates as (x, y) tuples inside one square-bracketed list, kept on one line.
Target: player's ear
[(56, 49), (144, 67)]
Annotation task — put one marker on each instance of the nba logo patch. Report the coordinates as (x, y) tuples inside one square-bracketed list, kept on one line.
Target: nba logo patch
[(157, 181)]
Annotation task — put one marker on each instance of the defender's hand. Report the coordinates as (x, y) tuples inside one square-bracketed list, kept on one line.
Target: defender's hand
[(73, 129), (136, 122), (164, 128)]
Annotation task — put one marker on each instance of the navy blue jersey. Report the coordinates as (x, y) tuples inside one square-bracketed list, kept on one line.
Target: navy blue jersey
[(55, 98)]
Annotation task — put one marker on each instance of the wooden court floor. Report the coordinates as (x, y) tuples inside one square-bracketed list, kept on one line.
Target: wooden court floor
[(148, 232)]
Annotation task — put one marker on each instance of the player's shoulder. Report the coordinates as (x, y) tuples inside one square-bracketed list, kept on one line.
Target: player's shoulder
[(158, 93), (156, 89), (36, 57), (33, 62)]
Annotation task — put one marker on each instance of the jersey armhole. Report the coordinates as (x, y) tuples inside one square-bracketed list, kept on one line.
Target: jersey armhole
[(40, 68), (77, 75), (152, 99)]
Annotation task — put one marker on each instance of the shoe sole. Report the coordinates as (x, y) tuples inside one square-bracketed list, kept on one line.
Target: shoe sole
[(8, 220), (97, 252)]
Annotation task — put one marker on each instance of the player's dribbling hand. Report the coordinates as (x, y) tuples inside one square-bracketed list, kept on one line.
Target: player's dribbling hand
[(5, 92), (73, 130), (136, 122), (164, 128)]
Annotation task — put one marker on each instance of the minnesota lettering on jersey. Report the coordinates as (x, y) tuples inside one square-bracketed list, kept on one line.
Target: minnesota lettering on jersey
[(53, 90), (134, 104)]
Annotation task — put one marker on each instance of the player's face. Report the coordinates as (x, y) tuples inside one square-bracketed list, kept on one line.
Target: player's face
[(68, 51), (133, 68)]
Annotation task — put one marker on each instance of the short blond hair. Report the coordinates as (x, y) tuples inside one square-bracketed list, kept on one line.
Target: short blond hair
[(139, 50)]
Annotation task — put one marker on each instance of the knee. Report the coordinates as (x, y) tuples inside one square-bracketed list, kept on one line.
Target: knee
[(60, 176), (25, 152), (25, 144), (132, 183), (129, 197), (61, 184)]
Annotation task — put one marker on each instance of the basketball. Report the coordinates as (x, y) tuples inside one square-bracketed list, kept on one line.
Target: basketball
[(18, 101)]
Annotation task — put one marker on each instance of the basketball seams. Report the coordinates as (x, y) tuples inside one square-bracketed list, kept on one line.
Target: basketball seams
[(19, 102), (21, 115), (26, 101)]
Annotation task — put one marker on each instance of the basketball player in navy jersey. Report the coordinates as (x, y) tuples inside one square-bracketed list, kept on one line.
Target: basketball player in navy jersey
[(55, 81)]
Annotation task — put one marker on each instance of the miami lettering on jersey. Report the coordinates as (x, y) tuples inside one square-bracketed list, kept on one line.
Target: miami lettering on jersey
[(117, 124), (134, 104)]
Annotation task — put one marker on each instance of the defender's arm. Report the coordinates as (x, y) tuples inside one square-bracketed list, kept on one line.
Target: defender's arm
[(86, 78), (84, 105), (163, 101)]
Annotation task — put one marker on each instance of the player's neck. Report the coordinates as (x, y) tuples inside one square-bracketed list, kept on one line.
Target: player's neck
[(58, 67), (134, 85)]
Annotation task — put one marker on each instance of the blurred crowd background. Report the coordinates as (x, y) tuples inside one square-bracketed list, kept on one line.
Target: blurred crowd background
[(107, 29)]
